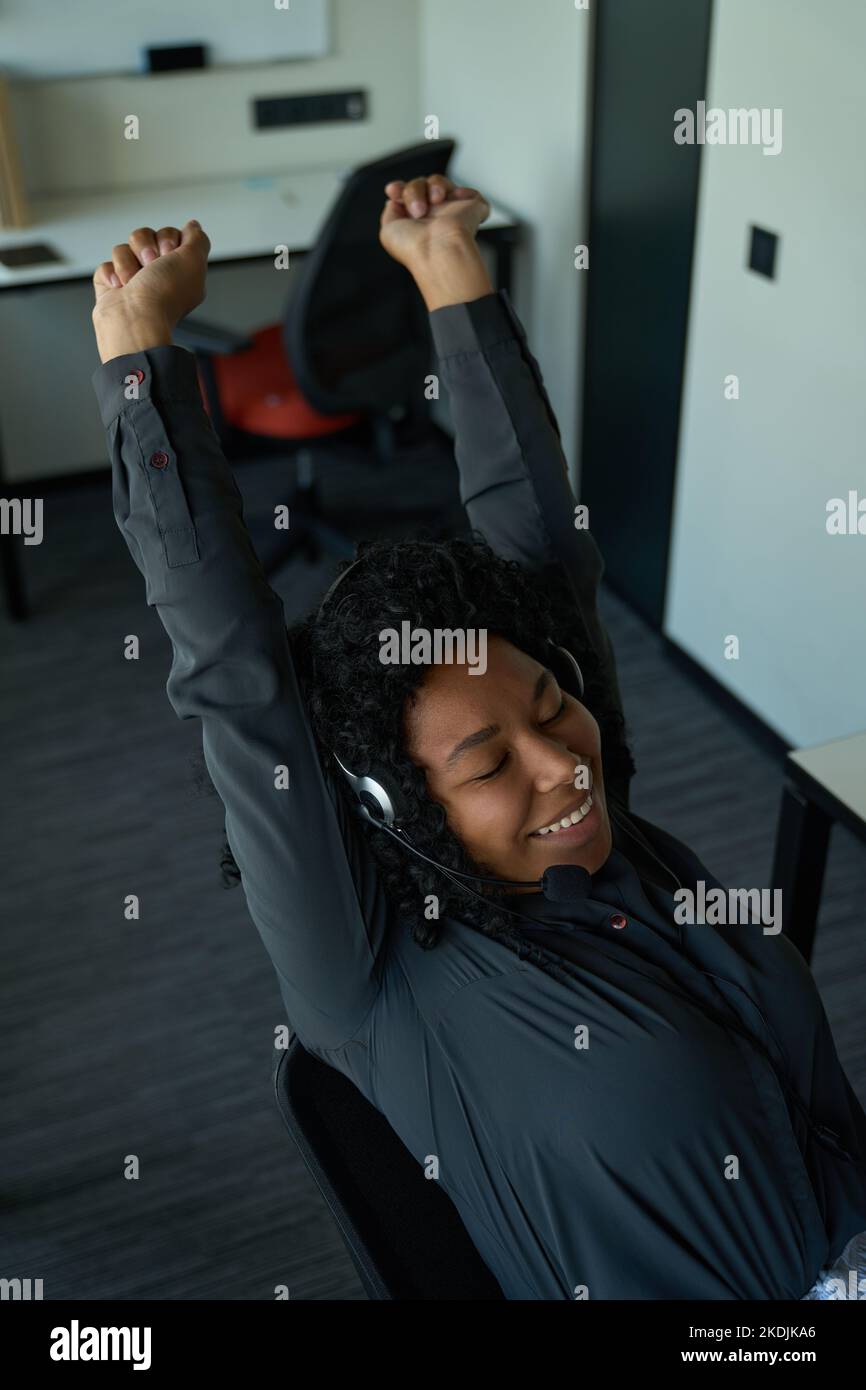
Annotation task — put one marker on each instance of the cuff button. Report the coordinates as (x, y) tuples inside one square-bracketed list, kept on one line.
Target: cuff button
[(617, 921), (159, 460)]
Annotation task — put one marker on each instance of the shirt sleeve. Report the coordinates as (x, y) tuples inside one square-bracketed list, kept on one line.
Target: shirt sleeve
[(309, 883), (513, 473)]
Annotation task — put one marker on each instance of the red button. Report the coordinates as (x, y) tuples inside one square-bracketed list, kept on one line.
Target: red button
[(159, 460), (618, 921)]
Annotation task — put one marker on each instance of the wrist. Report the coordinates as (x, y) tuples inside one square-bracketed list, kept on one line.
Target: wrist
[(451, 272), (119, 332)]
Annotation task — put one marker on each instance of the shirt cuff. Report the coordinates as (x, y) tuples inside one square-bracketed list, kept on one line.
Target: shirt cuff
[(475, 325), (159, 373)]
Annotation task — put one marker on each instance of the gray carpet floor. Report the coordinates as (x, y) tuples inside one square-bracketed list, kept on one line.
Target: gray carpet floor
[(154, 1038)]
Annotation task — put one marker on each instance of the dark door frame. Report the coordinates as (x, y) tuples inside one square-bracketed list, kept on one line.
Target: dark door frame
[(649, 61)]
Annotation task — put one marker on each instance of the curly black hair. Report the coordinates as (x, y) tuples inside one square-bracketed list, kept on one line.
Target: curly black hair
[(356, 704)]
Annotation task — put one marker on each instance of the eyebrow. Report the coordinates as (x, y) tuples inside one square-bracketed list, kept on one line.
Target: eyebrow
[(484, 735)]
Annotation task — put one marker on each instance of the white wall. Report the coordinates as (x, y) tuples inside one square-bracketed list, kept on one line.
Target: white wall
[(511, 81), (750, 551), (199, 124), (193, 126)]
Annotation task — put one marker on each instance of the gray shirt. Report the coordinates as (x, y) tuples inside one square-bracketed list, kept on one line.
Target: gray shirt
[(605, 1168)]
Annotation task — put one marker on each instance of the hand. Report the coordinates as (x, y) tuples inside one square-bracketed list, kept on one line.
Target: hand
[(152, 282), (426, 214), (429, 226)]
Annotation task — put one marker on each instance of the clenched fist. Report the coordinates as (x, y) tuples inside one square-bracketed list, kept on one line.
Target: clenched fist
[(152, 282), (427, 213), (429, 225)]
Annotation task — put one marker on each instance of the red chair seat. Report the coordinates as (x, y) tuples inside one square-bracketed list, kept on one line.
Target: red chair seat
[(258, 392)]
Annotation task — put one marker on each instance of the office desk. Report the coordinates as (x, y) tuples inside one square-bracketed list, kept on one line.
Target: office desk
[(823, 786), (244, 217)]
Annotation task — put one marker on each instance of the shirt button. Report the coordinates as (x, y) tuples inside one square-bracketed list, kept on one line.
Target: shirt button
[(159, 460), (617, 921)]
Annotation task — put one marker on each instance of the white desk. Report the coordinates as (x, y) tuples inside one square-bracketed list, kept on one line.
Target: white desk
[(823, 785), (244, 217)]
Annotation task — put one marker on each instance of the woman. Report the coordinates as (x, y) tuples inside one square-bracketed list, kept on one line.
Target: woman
[(618, 1105)]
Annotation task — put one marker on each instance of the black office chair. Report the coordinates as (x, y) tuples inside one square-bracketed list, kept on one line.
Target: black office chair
[(349, 360), (402, 1232)]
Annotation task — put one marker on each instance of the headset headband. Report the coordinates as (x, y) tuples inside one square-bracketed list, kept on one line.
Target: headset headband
[(337, 582)]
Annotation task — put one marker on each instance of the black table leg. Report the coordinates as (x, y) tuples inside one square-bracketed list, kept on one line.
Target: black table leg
[(798, 867), (502, 240), (11, 570), (13, 577)]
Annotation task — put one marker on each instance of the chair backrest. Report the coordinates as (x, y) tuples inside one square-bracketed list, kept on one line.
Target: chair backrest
[(402, 1232), (356, 331)]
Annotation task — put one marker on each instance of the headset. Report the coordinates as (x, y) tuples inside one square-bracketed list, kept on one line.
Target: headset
[(379, 802)]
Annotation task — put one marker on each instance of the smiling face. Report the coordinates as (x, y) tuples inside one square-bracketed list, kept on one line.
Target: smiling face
[(509, 756)]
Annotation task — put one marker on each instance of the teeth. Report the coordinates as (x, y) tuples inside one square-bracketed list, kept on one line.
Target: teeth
[(567, 821)]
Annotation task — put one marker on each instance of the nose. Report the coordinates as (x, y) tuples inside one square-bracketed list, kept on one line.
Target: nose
[(551, 764)]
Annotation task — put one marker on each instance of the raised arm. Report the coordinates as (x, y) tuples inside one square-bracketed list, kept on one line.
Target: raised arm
[(513, 473), (317, 907)]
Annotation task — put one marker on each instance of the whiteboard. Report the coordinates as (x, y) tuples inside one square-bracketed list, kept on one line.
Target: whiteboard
[(77, 38)]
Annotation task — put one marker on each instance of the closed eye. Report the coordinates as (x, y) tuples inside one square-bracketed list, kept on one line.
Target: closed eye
[(554, 717), (487, 776)]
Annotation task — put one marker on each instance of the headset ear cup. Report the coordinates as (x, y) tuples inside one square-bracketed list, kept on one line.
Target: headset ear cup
[(567, 671), (391, 804), (380, 800)]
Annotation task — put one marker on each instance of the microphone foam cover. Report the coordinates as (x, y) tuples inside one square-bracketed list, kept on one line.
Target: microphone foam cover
[(565, 883)]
